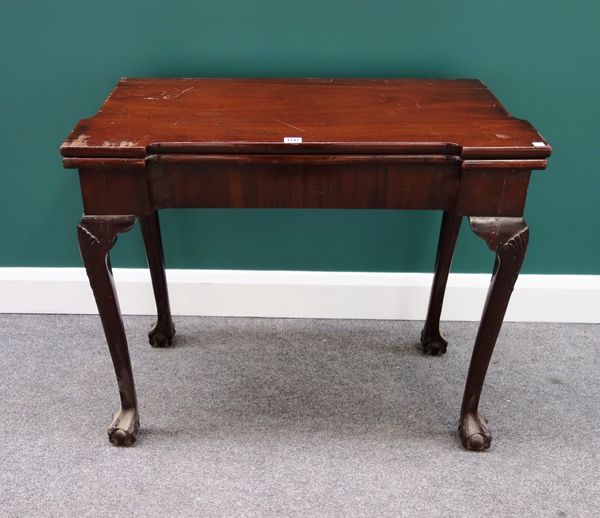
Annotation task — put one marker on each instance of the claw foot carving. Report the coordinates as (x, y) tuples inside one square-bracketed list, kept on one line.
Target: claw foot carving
[(124, 428), (434, 344), (161, 335), (474, 433)]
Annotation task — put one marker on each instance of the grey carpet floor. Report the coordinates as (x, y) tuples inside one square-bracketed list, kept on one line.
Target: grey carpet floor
[(277, 417)]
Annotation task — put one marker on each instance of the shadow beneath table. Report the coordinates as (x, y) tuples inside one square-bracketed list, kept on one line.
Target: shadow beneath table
[(246, 377)]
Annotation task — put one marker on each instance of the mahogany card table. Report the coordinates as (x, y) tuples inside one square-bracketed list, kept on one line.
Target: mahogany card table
[(445, 145)]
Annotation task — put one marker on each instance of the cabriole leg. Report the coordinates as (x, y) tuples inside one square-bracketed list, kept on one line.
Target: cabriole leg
[(97, 235), (432, 339), (508, 238), (164, 330)]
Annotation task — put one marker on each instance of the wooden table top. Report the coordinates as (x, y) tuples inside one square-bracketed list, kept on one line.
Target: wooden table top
[(387, 116)]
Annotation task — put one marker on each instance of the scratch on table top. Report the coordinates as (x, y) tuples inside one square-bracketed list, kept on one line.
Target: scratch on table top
[(164, 95), (502, 135), (290, 125)]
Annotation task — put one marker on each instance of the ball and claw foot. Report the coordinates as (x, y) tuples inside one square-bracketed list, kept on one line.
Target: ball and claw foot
[(433, 345), (474, 434), (161, 335), (124, 428)]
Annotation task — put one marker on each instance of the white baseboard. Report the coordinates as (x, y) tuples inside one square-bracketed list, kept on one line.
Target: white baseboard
[(361, 295)]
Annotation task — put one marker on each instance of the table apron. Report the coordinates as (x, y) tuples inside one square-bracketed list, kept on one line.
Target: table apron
[(318, 184)]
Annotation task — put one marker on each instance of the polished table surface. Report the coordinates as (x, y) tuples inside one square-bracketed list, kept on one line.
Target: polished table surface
[(441, 117), (437, 144)]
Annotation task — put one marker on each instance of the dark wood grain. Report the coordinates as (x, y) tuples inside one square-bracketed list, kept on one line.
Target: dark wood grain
[(97, 236), (508, 238), (366, 144), (297, 181), (399, 116), (162, 333), (432, 339)]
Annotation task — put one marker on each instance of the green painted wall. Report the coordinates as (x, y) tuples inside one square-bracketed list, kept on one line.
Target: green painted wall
[(61, 58)]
